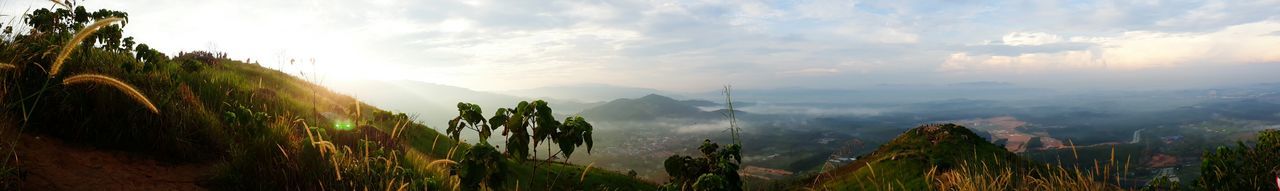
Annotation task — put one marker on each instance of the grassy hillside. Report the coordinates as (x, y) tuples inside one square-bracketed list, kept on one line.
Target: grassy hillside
[(260, 128), (951, 157)]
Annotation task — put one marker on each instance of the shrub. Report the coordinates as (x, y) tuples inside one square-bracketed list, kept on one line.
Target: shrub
[(716, 169), (202, 57), (1243, 167)]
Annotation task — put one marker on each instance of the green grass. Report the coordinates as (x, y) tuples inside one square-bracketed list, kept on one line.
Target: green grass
[(560, 176)]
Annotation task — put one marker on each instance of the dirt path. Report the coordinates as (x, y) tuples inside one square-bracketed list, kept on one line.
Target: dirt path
[(50, 164)]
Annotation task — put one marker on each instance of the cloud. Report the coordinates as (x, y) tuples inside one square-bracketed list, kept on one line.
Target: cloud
[(719, 125), (701, 44), (1030, 38), (1011, 50), (812, 110), (812, 72), (1210, 15), (1239, 44)]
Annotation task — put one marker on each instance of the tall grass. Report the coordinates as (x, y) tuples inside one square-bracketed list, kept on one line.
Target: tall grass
[(999, 174), (437, 170), (123, 87), (59, 3), (934, 158), (274, 159), (584, 172)]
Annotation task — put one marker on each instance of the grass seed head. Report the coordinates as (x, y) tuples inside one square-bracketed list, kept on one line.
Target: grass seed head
[(126, 88), (75, 42)]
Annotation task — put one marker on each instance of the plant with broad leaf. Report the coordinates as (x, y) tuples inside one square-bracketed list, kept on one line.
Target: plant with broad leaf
[(716, 169), (527, 122), (481, 166)]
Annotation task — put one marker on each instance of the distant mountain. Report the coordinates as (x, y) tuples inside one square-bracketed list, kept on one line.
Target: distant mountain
[(649, 107), (882, 93), (584, 93), (700, 103), (434, 103), (982, 84)]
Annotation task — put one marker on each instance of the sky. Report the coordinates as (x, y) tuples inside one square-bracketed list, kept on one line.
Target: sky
[(697, 45)]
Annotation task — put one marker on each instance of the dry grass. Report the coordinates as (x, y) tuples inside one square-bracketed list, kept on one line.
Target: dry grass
[(75, 42), (126, 88), (7, 66), (64, 5), (436, 169), (1000, 175), (990, 177), (583, 177)]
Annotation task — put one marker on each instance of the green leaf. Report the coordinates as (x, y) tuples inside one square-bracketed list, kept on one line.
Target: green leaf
[(454, 129), (587, 137), (566, 148), (499, 119)]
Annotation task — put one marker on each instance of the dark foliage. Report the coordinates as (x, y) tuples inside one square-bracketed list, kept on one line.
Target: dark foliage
[(716, 169), (1243, 167), (482, 165)]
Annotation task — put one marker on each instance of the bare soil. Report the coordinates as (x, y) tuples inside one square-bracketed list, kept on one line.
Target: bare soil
[(50, 164)]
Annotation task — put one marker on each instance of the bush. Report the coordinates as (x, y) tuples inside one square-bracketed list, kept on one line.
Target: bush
[(716, 169), (1243, 167), (202, 57)]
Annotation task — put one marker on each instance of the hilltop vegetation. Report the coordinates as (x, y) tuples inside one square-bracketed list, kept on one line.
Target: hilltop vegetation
[(1243, 167), (259, 128), (951, 157)]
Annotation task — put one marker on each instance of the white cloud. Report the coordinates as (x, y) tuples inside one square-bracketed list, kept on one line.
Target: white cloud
[(719, 125), (700, 44), (1212, 12), (1239, 44), (1030, 38), (453, 25)]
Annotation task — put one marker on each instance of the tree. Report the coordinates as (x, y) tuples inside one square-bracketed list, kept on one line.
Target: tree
[(149, 57), (1243, 167), (61, 22)]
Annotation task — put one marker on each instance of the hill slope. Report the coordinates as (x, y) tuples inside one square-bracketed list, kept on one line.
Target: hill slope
[(244, 126), (938, 156), (903, 161)]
